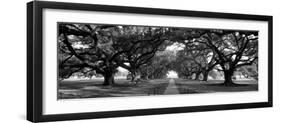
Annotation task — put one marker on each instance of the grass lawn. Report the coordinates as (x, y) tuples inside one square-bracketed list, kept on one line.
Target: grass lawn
[(94, 88), (123, 87), (192, 86)]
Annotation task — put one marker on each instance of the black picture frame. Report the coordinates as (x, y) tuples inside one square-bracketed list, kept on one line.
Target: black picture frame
[(34, 60)]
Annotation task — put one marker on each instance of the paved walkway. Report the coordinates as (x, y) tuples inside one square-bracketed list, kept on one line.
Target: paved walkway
[(172, 88)]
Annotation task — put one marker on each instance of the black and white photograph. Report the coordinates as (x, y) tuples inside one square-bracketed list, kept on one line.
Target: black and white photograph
[(87, 60), (114, 60)]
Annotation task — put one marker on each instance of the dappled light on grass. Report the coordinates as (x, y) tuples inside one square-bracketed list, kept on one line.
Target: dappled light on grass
[(193, 86), (93, 89), (124, 88)]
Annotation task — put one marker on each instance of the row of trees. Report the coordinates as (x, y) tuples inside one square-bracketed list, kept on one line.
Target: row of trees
[(91, 49), (158, 66), (101, 49)]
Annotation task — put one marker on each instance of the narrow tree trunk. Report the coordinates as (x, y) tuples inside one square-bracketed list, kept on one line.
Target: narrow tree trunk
[(144, 77), (133, 77), (152, 77), (108, 79), (189, 77), (205, 75), (197, 75), (228, 78)]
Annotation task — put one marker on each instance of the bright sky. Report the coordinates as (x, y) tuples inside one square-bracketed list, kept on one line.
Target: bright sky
[(122, 69), (172, 74), (175, 47)]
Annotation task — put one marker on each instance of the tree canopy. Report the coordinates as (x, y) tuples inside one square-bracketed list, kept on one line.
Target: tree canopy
[(96, 49)]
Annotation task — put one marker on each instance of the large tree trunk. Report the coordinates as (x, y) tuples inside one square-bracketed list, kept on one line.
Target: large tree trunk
[(205, 75), (197, 75), (228, 77), (108, 79)]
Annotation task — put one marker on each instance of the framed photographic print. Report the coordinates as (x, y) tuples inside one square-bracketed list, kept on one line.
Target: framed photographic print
[(89, 61)]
